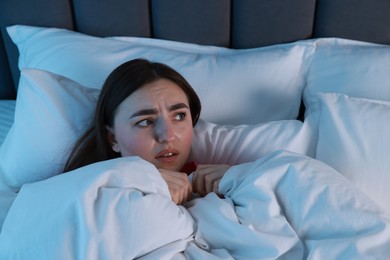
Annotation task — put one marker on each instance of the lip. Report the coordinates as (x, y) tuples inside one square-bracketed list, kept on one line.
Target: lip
[(167, 155)]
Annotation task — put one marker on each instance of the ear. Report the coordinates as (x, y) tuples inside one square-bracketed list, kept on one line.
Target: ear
[(111, 139)]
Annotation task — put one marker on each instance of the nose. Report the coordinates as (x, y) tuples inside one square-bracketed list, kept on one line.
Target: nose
[(164, 131)]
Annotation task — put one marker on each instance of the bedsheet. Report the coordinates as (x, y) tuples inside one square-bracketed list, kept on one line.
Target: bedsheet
[(282, 206)]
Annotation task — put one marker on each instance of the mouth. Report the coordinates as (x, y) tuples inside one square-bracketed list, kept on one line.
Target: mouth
[(167, 154)]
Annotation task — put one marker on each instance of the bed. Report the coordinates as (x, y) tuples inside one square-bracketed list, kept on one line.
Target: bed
[(295, 95)]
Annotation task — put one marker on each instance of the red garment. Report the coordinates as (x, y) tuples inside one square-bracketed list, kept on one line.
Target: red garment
[(189, 167)]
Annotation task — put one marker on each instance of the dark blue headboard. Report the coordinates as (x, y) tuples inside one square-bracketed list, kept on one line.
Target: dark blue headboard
[(229, 23)]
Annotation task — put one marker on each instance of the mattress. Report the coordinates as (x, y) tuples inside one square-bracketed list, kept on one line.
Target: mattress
[(7, 110)]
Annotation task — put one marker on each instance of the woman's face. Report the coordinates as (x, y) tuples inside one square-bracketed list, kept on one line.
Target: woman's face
[(154, 123)]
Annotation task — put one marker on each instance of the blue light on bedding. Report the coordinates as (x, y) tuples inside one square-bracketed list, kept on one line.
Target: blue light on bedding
[(7, 110)]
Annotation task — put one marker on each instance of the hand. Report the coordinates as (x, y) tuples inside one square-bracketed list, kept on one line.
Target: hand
[(206, 178), (179, 186)]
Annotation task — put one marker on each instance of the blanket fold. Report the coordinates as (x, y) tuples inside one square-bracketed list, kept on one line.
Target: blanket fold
[(108, 210), (282, 206)]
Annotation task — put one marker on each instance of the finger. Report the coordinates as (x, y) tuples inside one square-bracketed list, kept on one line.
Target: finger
[(205, 175), (195, 184), (210, 181), (176, 195), (179, 186), (199, 179), (202, 182), (198, 183), (216, 186)]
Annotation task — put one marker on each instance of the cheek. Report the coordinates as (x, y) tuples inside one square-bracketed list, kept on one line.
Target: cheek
[(186, 138), (131, 144)]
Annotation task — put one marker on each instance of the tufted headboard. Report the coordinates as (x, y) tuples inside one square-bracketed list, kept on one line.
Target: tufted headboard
[(229, 23)]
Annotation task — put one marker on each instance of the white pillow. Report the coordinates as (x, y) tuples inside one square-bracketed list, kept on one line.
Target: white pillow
[(172, 45), (354, 68), (51, 112), (235, 86), (233, 145), (354, 138)]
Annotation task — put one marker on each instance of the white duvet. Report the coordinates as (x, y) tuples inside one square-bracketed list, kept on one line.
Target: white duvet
[(283, 206)]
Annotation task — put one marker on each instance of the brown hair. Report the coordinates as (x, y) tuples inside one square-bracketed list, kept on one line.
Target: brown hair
[(93, 145)]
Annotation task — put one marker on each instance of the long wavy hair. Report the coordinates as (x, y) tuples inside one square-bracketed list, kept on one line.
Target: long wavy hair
[(93, 145)]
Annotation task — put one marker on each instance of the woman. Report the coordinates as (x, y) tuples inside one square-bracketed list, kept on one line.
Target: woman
[(147, 109)]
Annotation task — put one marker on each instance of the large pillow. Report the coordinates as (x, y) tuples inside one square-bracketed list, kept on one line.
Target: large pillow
[(236, 144), (354, 138), (172, 45), (354, 68), (52, 111), (235, 86)]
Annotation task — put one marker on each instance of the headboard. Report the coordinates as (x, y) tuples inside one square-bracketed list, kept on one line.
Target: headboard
[(228, 23)]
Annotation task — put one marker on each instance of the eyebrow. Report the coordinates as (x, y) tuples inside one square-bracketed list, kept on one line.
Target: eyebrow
[(153, 111)]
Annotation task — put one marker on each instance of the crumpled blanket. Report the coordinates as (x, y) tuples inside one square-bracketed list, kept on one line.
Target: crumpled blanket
[(282, 206)]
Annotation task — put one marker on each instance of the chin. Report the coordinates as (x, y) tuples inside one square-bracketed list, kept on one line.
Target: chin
[(168, 167), (174, 165)]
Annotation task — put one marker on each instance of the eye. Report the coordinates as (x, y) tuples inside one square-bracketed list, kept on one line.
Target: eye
[(180, 116), (145, 123)]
